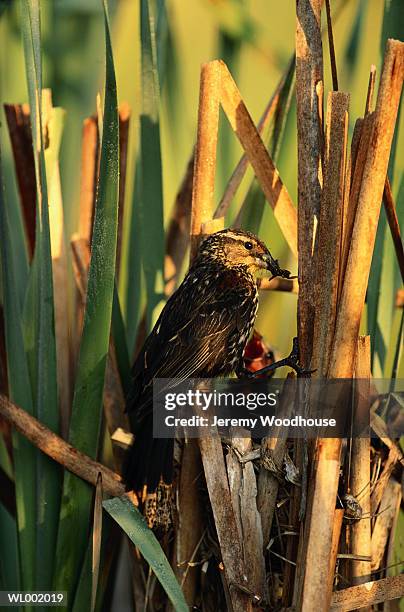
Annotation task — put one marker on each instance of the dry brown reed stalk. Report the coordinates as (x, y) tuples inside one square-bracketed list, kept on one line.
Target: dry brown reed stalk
[(309, 74), (336, 534), (60, 451), (89, 170), (329, 232), (240, 170), (205, 152), (263, 166), (190, 527), (359, 148), (124, 122), (243, 489), (359, 478), (368, 594), (226, 524), (190, 521), (211, 448), (313, 591), (383, 529), (309, 89), (19, 128), (272, 454), (395, 455), (59, 272), (370, 196), (392, 219)]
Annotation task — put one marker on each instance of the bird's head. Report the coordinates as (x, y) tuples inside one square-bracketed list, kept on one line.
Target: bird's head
[(234, 248)]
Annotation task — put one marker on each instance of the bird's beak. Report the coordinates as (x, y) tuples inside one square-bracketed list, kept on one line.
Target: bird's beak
[(272, 265)]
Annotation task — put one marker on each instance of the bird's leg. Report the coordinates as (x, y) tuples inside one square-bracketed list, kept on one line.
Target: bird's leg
[(292, 361)]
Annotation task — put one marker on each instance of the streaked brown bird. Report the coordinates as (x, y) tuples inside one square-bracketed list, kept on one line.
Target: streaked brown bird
[(201, 333)]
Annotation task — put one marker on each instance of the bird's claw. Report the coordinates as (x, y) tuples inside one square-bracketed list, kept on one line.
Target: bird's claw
[(293, 361)]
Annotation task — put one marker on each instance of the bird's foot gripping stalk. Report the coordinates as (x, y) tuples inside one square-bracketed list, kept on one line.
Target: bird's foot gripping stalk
[(292, 361)]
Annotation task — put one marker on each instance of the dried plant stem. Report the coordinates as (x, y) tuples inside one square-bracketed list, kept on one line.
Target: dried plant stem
[(360, 473), (360, 536), (243, 489), (370, 196), (264, 168), (18, 123), (225, 521), (392, 219), (329, 233), (268, 484), (89, 170), (190, 518), (326, 474), (368, 594), (336, 533), (385, 521), (240, 169), (309, 74), (205, 153), (59, 450)]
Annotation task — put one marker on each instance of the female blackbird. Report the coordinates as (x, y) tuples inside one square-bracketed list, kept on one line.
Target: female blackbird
[(201, 333)]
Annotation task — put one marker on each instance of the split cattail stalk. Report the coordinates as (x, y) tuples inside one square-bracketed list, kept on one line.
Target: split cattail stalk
[(205, 153), (225, 521), (329, 241), (370, 197), (360, 471), (309, 73), (243, 488), (315, 593)]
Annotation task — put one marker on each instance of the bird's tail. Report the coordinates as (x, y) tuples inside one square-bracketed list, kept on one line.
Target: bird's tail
[(148, 471)]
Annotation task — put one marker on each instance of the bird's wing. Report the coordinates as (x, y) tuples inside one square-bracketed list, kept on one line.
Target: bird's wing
[(190, 335)]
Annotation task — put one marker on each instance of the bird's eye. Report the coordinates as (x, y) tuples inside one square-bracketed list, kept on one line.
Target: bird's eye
[(248, 246)]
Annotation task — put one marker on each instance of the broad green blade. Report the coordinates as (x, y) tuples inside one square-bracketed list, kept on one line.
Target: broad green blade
[(134, 525), (87, 402), (43, 362), (121, 347), (151, 200), (135, 290), (24, 453), (9, 562)]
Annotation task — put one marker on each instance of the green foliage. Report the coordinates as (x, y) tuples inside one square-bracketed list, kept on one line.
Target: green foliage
[(134, 525)]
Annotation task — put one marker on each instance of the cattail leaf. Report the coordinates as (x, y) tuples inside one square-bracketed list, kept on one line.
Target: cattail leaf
[(134, 525), (43, 361), (151, 187), (20, 392), (87, 402)]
